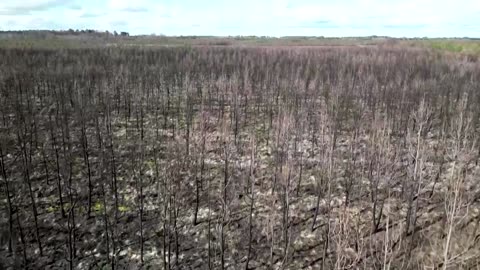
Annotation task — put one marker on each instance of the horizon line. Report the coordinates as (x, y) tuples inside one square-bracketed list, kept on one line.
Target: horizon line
[(95, 31)]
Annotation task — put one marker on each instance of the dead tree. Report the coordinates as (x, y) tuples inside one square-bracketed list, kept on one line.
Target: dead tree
[(251, 182)]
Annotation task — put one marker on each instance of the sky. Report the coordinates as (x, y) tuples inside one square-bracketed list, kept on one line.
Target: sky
[(332, 18)]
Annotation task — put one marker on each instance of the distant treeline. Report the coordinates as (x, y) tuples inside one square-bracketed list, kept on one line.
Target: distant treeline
[(70, 32), (92, 32)]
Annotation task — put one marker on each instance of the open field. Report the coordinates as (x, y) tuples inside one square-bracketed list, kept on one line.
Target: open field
[(333, 155), (59, 40)]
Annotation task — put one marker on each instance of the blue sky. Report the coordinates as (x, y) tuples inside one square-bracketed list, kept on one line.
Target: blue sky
[(398, 18)]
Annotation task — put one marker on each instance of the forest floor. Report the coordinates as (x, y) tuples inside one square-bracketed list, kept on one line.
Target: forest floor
[(348, 223)]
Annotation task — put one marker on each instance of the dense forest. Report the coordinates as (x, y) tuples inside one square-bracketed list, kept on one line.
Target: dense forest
[(239, 158)]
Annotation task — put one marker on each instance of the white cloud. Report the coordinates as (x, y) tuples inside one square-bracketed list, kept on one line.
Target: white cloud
[(129, 5), (23, 7)]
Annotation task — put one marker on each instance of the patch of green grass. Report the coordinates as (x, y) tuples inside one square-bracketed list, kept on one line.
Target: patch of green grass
[(98, 207), (150, 164), (56, 208), (455, 46), (52, 209), (447, 46), (123, 208)]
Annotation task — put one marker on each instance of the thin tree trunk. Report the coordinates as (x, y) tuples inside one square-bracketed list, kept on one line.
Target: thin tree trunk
[(89, 173), (224, 211), (251, 178), (105, 220), (22, 240), (26, 172), (9, 200), (59, 178)]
